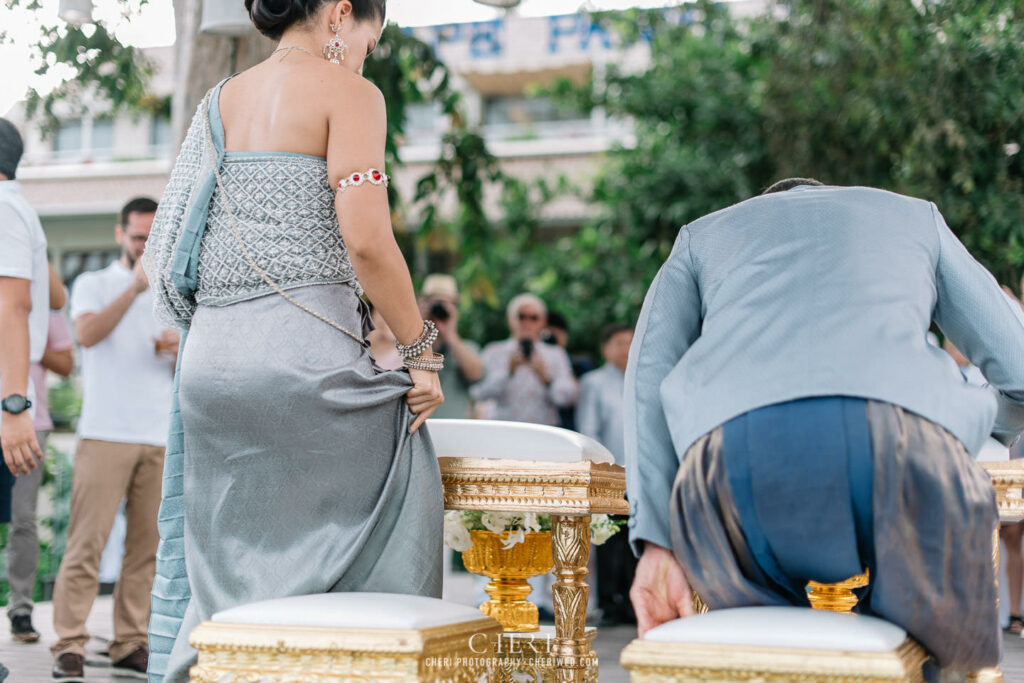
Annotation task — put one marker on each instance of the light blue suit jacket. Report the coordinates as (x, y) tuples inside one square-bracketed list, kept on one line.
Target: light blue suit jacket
[(818, 291)]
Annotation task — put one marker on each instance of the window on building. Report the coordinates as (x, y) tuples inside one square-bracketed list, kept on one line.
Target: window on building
[(519, 116), (67, 144), (160, 136), (102, 140), (424, 122)]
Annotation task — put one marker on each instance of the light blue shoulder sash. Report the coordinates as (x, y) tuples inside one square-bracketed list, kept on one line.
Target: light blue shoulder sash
[(171, 592)]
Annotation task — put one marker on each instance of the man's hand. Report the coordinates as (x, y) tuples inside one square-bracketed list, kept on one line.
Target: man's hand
[(517, 358), (18, 440), (448, 330), (660, 591), (537, 365), (140, 281), (167, 343)]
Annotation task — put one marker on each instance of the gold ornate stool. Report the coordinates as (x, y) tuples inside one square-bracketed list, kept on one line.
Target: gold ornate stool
[(345, 637), (775, 644)]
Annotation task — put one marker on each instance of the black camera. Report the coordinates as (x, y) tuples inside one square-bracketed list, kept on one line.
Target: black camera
[(527, 347), (439, 312)]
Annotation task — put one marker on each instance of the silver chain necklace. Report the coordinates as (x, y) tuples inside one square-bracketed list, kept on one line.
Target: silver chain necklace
[(287, 49)]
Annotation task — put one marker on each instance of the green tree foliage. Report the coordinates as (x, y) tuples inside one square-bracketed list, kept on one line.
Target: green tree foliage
[(923, 98), (94, 62)]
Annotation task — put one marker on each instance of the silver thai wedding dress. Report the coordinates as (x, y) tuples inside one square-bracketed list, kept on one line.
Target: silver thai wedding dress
[(290, 469)]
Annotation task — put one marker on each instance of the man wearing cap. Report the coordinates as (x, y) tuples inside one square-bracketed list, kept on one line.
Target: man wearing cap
[(24, 317), (439, 300)]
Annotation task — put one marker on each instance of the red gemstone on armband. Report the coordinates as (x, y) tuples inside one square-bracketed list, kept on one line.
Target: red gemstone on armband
[(355, 178), (376, 175)]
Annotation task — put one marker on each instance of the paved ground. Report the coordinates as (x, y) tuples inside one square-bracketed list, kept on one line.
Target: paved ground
[(31, 663)]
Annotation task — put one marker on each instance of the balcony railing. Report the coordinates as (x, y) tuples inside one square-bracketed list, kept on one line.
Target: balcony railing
[(69, 157)]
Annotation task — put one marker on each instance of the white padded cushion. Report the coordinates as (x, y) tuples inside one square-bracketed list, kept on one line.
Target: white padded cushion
[(513, 441), (376, 611), (783, 627)]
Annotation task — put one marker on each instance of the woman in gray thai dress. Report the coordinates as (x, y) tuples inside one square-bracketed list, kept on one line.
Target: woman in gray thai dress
[(295, 465)]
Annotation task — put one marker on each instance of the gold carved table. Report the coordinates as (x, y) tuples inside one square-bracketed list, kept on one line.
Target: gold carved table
[(570, 492)]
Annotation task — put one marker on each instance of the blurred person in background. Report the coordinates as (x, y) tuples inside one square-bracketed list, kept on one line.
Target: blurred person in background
[(599, 416), (24, 316), (439, 302), (527, 379), (23, 541), (127, 374), (557, 333)]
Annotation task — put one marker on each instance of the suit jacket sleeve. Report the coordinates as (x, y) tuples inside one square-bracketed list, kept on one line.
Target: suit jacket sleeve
[(985, 324), (669, 323)]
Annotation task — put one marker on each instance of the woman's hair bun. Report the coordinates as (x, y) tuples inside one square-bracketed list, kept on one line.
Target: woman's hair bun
[(273, 17)]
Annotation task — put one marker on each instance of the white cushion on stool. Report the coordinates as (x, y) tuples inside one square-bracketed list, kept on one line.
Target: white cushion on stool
[(783, 627), (371, 611), (513, 441)]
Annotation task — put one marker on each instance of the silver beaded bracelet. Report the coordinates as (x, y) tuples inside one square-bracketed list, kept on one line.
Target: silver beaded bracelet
[(425, 341)]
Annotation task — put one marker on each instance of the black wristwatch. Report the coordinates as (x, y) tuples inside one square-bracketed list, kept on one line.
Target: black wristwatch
[(15, 404)]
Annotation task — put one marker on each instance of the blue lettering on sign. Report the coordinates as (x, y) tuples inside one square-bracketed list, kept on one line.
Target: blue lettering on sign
[(486, 39), (596, 28), (559, 27), (578, 25), (436, 36)]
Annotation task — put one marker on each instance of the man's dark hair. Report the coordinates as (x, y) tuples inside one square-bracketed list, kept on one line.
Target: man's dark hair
[(137, 205), (790, 183), (11, 148), (609, 331), (557, 321)]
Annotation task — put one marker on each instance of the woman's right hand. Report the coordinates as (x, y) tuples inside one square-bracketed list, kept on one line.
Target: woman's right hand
[(425, 396)]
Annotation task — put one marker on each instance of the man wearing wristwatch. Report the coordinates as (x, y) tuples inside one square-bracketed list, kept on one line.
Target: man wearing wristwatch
[(24, 315)]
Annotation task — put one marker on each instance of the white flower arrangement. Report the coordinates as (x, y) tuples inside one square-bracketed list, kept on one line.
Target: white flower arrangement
[(458, 524)]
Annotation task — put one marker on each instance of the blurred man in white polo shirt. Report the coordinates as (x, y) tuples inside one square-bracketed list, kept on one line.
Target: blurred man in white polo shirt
[(24, 314), (128, 373)]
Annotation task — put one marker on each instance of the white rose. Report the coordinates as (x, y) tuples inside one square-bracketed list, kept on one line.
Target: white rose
[(497, 522), (514, 538), (456, 536), (531, 522), (601, 529)]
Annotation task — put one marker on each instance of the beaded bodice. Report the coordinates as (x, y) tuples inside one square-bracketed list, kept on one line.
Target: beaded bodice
[(284, 209)]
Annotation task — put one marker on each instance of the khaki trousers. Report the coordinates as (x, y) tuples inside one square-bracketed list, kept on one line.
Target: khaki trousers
[(104, 473)]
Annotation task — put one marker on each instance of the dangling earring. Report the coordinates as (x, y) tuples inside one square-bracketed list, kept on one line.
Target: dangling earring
[(336, 48)]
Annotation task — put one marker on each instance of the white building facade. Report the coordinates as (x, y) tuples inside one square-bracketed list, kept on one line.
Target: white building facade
[(79, 178)]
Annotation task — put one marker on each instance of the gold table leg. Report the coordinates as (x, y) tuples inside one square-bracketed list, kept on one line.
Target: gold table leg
[(570, 545)]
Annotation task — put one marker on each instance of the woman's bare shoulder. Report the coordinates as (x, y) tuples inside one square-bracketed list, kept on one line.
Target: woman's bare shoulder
[(351, 91)]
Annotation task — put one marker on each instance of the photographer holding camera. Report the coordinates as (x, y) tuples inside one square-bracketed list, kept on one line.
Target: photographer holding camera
[(527, 379), (439, 299)]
